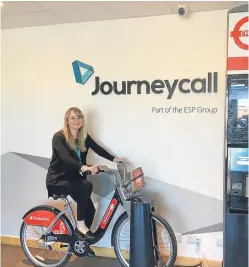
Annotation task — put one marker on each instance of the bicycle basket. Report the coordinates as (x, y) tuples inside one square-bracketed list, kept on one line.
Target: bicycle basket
[(122, 168), (131, 182), (138, 181)]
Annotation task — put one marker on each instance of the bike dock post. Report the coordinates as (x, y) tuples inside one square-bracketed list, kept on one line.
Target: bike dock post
[(141, 234)]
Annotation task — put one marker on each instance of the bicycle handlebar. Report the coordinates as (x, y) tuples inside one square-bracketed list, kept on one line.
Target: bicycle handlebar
[(103, 169), (88, 172)]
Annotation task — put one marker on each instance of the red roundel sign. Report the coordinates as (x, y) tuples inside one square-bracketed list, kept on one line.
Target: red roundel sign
[(238, 35)]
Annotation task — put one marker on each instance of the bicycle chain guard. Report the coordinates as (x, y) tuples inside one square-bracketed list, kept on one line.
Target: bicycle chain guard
[(79, 247)]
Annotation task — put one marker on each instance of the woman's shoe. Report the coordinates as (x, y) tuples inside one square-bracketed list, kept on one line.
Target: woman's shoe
[(90, 253), (89, 234), (90, 237)]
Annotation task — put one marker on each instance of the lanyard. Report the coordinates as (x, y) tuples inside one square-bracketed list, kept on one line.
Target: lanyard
[(78, 153)]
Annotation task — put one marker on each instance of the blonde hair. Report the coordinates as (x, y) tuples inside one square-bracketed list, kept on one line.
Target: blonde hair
[(81, 134)]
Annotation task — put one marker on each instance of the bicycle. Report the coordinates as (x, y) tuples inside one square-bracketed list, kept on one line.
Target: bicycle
[(57, 227)]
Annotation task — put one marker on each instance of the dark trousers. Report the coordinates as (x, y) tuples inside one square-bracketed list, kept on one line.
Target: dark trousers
[(80, 191)]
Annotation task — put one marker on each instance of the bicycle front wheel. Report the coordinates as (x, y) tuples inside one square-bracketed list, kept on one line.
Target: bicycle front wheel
[(166, 241)]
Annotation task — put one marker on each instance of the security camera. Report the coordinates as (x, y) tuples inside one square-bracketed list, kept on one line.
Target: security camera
[(182, 10)]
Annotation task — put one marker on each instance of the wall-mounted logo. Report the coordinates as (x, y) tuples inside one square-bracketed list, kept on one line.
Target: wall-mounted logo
[(82, 71), (198, 85)]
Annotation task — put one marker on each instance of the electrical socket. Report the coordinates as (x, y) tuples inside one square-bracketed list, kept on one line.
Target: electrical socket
[(219, 242), (193, 239)]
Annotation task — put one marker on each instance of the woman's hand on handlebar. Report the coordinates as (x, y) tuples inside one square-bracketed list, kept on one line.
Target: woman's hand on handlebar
[(119, 160), (91, 169)]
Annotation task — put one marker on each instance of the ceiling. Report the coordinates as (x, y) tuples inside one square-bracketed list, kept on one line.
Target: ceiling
[(16, 14)]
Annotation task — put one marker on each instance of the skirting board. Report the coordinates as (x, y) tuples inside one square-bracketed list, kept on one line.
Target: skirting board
[(109, 253)]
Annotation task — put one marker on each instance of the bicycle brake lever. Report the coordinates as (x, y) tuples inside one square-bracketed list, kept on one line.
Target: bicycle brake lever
[(102, 168)]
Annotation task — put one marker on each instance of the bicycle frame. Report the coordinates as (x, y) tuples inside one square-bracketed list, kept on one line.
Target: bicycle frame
[(50, 217), (118, 198), (62, 229)]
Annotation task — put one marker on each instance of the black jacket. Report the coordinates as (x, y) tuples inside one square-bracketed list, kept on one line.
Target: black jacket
[(65, 165)]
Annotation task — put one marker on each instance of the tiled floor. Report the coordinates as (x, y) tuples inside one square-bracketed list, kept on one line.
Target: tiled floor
[(13, 256)]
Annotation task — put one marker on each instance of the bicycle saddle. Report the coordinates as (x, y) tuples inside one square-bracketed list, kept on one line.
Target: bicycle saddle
[(58, 196)]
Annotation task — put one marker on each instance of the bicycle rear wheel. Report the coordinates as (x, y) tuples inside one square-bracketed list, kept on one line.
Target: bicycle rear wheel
[(38, 252), (121, 241)]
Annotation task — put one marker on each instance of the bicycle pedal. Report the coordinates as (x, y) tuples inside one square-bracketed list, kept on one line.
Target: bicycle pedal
[(63, 246)]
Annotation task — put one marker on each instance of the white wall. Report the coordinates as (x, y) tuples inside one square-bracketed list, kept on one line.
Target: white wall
[(185, 150)]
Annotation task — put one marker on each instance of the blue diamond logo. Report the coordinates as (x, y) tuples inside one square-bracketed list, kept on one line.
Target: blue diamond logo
[(82, 71)]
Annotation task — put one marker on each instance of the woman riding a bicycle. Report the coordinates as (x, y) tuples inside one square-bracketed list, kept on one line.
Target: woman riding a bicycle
[(66, 171), (49, 238)]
